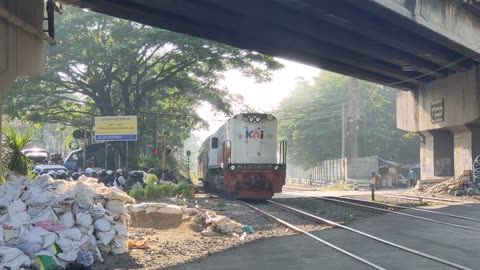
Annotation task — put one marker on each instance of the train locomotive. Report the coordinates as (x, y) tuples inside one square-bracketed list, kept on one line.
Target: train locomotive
[(243, 159)]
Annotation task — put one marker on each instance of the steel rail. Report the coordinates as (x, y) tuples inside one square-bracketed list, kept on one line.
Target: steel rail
[(295, 228), (402, 214), (422, 197), (335, 224), (409, 208)]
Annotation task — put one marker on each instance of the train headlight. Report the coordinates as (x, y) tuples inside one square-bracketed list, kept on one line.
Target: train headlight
[(251, 119), (257, 119), (232, 167), (276, 167)]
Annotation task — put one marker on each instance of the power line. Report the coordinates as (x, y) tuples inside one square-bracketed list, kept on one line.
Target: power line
[(434, 71)]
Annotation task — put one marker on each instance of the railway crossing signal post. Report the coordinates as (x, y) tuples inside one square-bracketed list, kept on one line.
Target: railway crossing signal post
[(164, 154), (188, 164)]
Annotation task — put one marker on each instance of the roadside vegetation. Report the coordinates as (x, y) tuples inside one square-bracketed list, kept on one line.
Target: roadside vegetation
[(315, 133), (105, 66), (13, 144), (154, 191)]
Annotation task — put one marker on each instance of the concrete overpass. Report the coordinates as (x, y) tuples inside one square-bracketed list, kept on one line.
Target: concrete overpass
[(428, 47), (403, 43)]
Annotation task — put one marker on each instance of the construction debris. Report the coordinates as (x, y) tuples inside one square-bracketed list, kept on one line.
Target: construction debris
[(462, 185), (218, 225), (50, 224), (158, 215)]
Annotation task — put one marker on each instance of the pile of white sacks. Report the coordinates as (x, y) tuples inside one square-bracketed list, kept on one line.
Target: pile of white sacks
[(46, 223)]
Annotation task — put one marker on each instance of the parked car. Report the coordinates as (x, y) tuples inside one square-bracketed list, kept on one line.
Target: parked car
[(37, 155), (45, 168)]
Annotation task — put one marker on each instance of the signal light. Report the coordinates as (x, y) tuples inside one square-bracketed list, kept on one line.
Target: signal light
[(155, 152)]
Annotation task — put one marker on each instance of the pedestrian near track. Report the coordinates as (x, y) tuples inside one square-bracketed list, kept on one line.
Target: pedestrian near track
[(412, 178), (375, 180)]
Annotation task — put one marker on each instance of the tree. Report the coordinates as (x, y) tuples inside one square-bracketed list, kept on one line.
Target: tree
[(104, 66), (315, 132)]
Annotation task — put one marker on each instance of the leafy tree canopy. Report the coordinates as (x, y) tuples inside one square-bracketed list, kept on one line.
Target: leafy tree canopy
[(105, 66), (314, 133)]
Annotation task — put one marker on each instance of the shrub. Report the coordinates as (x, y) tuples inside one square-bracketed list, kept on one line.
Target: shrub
[(150, 191), (165, 190), (14, 143), (185, 190), (137, 192), (151, 179)]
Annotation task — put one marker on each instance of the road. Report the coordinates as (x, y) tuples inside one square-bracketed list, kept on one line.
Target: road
[(299, 252)]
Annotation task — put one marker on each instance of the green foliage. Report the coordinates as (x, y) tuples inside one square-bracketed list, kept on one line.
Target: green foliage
[(149, 161), (150, 191), (315, 132), (103, 66), (165, 190), (14, 143), (184, 189), (137, 192), (154, 191), (151, 179)]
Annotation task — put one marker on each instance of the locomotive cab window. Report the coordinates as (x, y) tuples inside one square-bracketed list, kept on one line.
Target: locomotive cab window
[(214, 143)]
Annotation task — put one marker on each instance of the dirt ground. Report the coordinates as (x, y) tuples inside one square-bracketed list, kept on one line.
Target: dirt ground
[(172, 244)]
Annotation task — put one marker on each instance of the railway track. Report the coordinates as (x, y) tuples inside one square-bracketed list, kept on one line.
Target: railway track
[(421, 198), (398, 207), (335, 247), (365, 204)]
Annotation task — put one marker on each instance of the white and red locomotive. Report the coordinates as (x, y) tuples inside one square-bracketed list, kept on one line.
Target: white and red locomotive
[(240, 159)]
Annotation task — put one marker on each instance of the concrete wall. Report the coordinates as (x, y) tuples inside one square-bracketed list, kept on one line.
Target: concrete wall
[(443, 152), (462, 149), (427, 163), (362, 168), (407, 111), (475, 129), (450, 19), (460, 95), (447, 18), (21, 53)]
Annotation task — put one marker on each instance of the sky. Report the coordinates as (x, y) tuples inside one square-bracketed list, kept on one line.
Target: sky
[(263, 97)]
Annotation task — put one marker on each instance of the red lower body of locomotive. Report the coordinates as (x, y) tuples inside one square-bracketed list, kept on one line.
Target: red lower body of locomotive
[(253, 181)]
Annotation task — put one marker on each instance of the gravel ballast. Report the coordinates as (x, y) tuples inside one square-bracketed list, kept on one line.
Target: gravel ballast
[(185, 243)]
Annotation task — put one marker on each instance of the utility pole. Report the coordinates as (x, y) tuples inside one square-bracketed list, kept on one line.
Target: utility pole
[(84, 149), (188, 165), (353, 112), (343, 144), (343, 130), (164, 154)]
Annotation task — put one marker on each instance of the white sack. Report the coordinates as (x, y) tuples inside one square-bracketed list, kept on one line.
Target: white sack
[(84, 219), (68, 220), (103, 225)]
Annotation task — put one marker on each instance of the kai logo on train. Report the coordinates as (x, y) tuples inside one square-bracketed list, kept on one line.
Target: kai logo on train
[(254, 134)]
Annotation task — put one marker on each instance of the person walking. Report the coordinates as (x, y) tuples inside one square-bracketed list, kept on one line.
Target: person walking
[(375, 180), (412, 177)]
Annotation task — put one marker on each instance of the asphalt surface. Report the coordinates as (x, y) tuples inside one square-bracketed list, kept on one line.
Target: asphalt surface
[(300, 252)]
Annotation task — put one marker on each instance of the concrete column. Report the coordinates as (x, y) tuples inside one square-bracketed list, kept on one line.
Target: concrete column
[(426, 155), (462, 149), (475, 130), (443, 153)]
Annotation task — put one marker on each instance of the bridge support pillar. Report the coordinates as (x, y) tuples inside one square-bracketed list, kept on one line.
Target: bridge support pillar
[(446, 115)]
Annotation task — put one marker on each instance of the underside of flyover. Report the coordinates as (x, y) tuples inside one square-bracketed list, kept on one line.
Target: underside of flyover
[(426, 46), (375, 40)]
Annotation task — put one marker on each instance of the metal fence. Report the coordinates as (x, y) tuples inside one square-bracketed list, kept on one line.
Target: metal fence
[(326, 171)]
